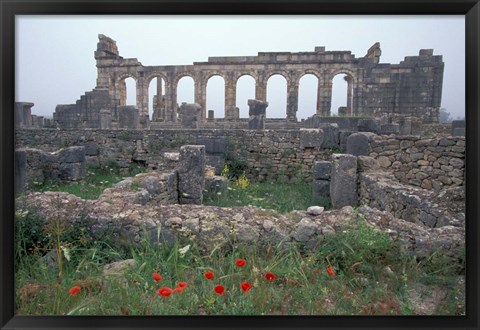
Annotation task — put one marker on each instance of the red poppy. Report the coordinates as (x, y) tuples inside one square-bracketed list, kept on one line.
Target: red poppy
[(182, 284), (165, 291), (208, 275), (157, 277), (245, 286), (240, 262), (178, 289), (270, 276), (219, 289), (330, 271), (74, 290)]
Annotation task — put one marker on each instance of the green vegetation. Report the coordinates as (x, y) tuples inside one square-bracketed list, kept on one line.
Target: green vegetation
[(97, 179), (344, 276), (281, 197)]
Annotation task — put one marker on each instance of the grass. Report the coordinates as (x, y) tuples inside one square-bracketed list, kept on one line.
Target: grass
[(281, 197), (96, 180), (302, 285)]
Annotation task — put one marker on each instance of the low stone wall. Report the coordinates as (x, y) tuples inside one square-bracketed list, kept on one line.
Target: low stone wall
[(34, 166), (283, 155)]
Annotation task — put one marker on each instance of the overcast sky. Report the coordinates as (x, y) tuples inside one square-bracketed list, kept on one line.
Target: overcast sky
[(55, 54)]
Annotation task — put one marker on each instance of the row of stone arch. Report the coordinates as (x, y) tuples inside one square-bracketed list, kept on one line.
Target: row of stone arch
[(165, 101)]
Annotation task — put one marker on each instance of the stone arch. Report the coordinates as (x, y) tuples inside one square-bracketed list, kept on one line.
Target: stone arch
[(240, 74), (120, 88), (307, 72), (347, 106), (348, 72), (209, 74), (157, 74), (217, 106), (307, 94), (282, 73), (278, 105), (156, 100), (177, 79)]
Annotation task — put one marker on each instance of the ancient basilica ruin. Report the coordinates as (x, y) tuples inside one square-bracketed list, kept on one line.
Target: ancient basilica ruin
[(411, 89)]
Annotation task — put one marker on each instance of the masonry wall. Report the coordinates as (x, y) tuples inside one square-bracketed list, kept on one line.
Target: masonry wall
[(430, 163), (269, 155)]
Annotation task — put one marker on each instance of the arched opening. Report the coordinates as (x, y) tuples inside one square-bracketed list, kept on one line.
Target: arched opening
[(128, 91), (245, 91), (216, 96), (307, 96), (185, 90), (342, 88), (156, 99), (277, 97)]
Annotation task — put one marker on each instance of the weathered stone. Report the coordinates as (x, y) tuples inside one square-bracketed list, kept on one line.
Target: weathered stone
[(343, 184), (311, 138), (387, 129), (128, 117), (257, 113), (23, 114), (20, 171), (191, 174), (366, 163), (321, 188), (331, 136), (190, 115), (321, 170), (315, 210), (367, 125), (71, 155), (216, 185), (304, 230), (458, 131), (358, 143)]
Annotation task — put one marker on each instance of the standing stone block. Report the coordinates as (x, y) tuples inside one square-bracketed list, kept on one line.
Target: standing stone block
[(211, 115), (71, 155), (232, 113), (343, 183), (331, 135), (128, 117), (321, 170), (257, 113), (458, 127), (71, 171), (357, 143), (189, 115), (311, 138), (405, 127), (321, 188), (191, 174), (23, 114)]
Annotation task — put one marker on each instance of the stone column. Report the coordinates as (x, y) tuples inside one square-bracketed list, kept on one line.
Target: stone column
[(158, 105), (23, 114), (142, 102), (191, 174), (257, 111), (170, 101), (190, 115), (292, 102), (200, 96), (261, 91), (348, 79), (231, 111), (324, 100)]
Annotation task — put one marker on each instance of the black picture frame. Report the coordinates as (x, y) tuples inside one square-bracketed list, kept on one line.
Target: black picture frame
[(10, 8)]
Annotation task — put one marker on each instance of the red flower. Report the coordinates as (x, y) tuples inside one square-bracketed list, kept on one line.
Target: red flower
[(330, 271), (219, 289), (240, 262), (157, 277), (245, 286), (165, 291), (74, 290), (208, 275), (270, 276), (178, 290), (182, 284)]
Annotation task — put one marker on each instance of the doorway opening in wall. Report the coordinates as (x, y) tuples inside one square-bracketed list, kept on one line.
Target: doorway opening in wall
[(245, 91), (216, 96), (307, 96), (276, 97), (185, 90)]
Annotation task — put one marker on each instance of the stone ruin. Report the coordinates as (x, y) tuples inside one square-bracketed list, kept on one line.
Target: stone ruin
[(412, 88)]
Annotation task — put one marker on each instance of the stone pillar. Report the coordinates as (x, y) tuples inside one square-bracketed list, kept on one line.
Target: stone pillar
[(321, 171), (257, 111), (158, 106), (23, 114), (324, 100), (348, 79), (170, 101), (105, 119), (230, 94), (211, 115), (200, 96), (292, 102), (261, 91), (343, 184), (20, 171), (191, 174)]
